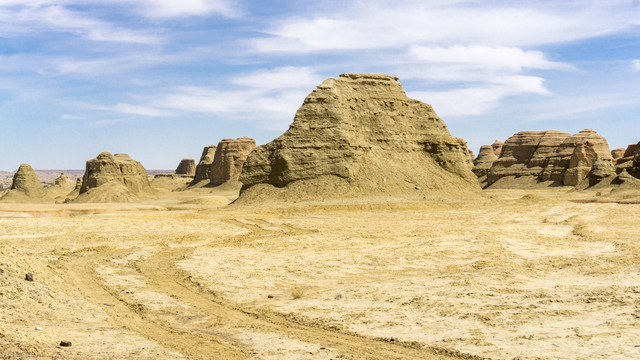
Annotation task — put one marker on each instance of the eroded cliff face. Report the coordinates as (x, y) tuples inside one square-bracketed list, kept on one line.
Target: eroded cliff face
[(362, 129), (229, 159), (555, 156), (484, 161)]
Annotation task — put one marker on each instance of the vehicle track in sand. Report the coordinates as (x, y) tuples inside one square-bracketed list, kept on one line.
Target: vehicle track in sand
[(197, 322)]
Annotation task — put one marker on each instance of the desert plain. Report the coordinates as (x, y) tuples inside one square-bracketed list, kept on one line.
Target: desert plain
[(529, 274)]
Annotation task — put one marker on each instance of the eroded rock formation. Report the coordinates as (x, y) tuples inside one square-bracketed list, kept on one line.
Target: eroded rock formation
[(229, 159), (617, 154), (497, 147), (484, 161), (360, 134), (26, 181), (203, 169), (113, 178), (186, 167), (553, 156)]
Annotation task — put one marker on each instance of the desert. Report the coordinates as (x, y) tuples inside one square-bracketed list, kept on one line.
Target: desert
[(363, 232)]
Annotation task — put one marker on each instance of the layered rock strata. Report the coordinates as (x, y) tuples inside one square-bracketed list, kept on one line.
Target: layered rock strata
[(360, 134), (484, 161), (553, 156), (497, 147)]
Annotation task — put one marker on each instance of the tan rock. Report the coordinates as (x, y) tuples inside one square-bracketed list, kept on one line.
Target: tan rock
[(229, 159), (525, 154), (186, 167), (27, 182), (126, 178), (203, 169), (497, 147), (484, 161), (617, 154), (360, 134)]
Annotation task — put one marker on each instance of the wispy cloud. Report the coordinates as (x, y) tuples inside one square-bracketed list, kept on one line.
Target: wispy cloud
[(635, 65), (183, 8)]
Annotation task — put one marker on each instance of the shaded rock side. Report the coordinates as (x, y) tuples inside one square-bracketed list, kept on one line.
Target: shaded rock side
[(601, 169), (26, 181), (497, 147), (124, 176), (186, 167), (229, 159), (484, 161), (525, 154), (203, 169), (361, 133), (574, 158)]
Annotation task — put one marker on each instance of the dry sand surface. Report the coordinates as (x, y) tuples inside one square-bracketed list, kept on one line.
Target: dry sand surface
[(520, 274)]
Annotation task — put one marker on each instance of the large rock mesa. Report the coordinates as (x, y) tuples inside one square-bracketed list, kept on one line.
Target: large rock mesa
[(362, 134)]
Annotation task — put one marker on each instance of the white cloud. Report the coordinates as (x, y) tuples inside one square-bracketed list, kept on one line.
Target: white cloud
[(288, 77), (480, 99), (140, 110), (635, 65), (381, 24), (42, 17), (174, 8)]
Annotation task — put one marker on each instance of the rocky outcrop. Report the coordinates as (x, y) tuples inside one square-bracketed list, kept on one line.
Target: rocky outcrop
[(497, 147), (602, 169), (360, 134), (203, 169), (525, 154), (113, 178), (61, 186), (550, 156), (484, 161), (617, 154), (187, 167), (229, 159), (26, 182)]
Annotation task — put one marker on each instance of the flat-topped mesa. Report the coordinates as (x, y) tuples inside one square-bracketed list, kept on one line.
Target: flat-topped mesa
[(484, 161), (229, 159), (186, 167), (27, 182), (203, 169), (525, 154), (124, 176), (497, 147), (361, 133)]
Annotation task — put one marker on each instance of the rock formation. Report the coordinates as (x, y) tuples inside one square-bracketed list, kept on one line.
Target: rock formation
[(357, 135), (113, 178), (602, 168), (203, 169), (497, 147), (61, 187), (525, 153), (486, 158), (617, 154), (229, 159), (186, 167), (26, 183)]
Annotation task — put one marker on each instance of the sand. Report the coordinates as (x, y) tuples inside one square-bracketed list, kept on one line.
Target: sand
[(517, 274)]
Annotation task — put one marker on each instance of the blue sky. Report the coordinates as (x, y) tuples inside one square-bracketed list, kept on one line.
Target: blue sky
[(160, 79)]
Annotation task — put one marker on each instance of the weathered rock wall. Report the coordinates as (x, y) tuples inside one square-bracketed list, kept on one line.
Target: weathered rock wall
[(186, 167), (229, 159), (203, 169)]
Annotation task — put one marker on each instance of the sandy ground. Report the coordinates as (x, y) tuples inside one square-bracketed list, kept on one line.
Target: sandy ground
[(520, 274)]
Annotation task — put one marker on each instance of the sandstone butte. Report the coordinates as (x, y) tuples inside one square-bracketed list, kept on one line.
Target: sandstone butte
[(357, 135), (61, 187), (550, 156), (26, 186), (203, 169), (113, 178), (617, 154), (229, 159), (497, 147), (186, 167)]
